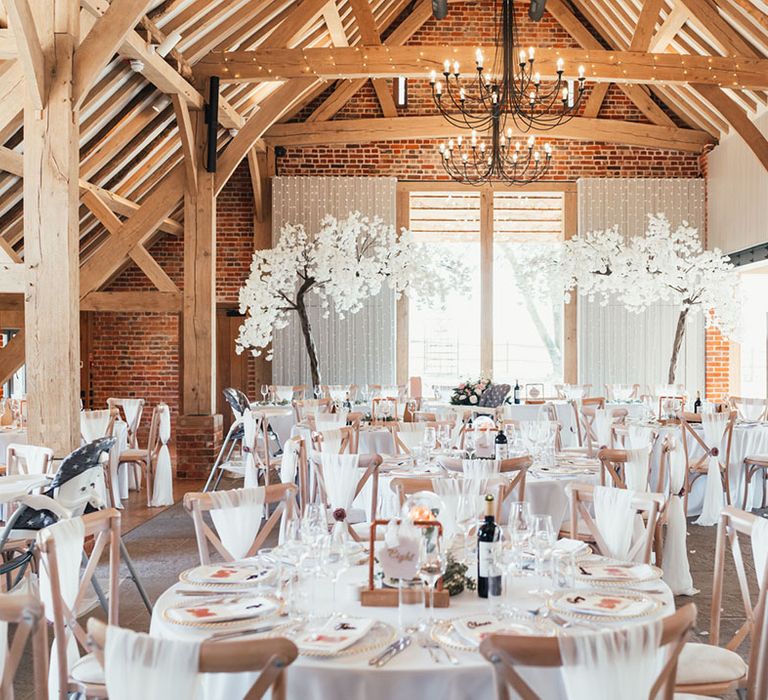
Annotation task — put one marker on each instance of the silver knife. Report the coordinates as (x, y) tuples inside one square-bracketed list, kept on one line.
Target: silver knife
[(391, 651), (240, 633)]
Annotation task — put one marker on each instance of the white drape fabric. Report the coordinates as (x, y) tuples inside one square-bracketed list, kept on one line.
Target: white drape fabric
[(68, 537), (637, 468), (237, 516), (639, 436), (751, 409), (760, 548), (480, 476), (411, 439), (94, 424), (330, 421), (340, 477), (614, 517), (331, 442), (137, 665), (450, 492), (249, 448), (714, 427), (611, 664), (34, 457), (677, 571), (131, 409), (601, 426), (289, 462), (162, 489)]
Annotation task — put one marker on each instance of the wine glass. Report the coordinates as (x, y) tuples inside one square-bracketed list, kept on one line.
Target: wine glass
[(444, 437), (543, 537), (430, 440), (335, 557), (469, 444), (519, 527), (432, 564), (264, 392), (385, 409), (466, 517)]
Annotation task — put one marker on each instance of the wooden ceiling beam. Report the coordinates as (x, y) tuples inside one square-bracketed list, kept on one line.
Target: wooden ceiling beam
[(418, 61), (103, 40), (435, 127), (12, 356), (30, 50), (646, 25), (669, 29), (738, 119), (289, 31), (157, 302), (334, 24), (187, 136), (712, 23)]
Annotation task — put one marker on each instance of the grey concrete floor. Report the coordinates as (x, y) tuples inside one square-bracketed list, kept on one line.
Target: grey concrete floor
[(165, 545)]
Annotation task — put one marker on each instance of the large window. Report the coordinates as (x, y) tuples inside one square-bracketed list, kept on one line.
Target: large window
[(444, 344), (504, 326), (754, 332)]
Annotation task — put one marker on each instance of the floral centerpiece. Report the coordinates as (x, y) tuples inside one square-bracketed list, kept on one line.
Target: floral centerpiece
[(468, 393)]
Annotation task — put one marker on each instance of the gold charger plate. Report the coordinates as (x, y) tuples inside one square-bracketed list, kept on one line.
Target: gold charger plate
[(378, 636), (445, 632), (224, 624), (188, 577), (651, 605), (654, 572)]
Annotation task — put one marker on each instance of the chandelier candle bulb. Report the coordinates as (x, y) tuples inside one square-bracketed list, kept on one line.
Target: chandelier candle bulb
[(581, 72), (456, 68), (531, 141), (432, 77), (479, 59), (439, 89), (537, 79), (446, 67), (522, 58), (509, 133), (560, 65), (530, 54)]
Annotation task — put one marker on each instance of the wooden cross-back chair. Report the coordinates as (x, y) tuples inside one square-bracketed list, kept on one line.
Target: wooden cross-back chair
[(104, 527), (646, 505), (399, 427), (27, 614), (757, 687), (368, 467), (616, 416), (508, 653), (297, 391), (267, 657), (610, 391), (696, 468), (700, 676), (577, 406), (283, 496), (107, 466), (376, 417), (16, 459), (347, 443), (146, 458), (133, 429), (302, 467), (305, 407), (560, 390), (749, 409)]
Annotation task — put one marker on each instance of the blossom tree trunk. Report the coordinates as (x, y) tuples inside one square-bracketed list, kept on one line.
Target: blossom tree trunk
[(306, 330), (679, 335)]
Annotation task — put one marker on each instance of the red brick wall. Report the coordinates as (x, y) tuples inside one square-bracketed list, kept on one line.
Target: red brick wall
[(717, 364)]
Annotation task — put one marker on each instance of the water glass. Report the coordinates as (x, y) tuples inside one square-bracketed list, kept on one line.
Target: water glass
[(543, 538), (563, 569), (519, 529), (410, 603)]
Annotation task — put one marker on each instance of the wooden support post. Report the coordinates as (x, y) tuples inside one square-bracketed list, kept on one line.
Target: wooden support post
[(51, 236), (199, 317)]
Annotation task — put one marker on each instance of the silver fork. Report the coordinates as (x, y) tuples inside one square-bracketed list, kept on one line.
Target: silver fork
[(429, 646)]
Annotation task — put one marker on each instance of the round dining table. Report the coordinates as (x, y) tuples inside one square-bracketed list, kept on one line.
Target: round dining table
[(413, 672)]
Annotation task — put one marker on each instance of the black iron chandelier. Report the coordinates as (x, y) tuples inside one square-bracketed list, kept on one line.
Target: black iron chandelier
[(510, 100)]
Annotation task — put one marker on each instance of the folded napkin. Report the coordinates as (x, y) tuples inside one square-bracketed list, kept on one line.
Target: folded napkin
[(335, 635), (226, 609)]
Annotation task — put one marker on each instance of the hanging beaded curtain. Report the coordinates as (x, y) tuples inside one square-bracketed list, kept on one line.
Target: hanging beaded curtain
[(616, 346), (361, 347)]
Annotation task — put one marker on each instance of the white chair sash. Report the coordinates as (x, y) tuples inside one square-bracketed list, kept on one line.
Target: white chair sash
[(411, 439), (677, 570), (637, 468), (330, 421), (94, 424), (751, 409), (162, 490), (714, 427), (237, 518), (331, 443), (614, 517), (34, 457), (611, 664), (450, 492), (137, 665), (760, 548), (131, 409), (289, 462), (601, 426), (639, 436), (68, 537), (249, 447), (340, 477)]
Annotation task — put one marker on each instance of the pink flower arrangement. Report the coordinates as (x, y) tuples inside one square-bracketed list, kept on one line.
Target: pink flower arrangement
[(468, 393)]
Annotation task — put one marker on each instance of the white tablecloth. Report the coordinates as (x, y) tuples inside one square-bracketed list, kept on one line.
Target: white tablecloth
[(411, 674)]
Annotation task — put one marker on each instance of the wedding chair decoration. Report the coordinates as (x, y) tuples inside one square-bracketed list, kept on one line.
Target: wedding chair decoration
[(307, 407), (615, 523), (138, 665), (328, 421), (751, 410), (337, 441), (633, 663), (287, 392), (408, 437), (711, 669), (293, 467), (28, 459), (99, 424), (713, 464), (340, 479), (598, 426), (63, 591), (237, 517), (27, 614), (132, 411), (629, 469), (578, 406), (573, 392)]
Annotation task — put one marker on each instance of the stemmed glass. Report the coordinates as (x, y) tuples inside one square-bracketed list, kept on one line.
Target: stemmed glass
[(264, 392), (429, 442), (469, 444), (432, 564), (335, 557), (519, 527), (385, 409), (466, 517), (444, 437), (543, 539)]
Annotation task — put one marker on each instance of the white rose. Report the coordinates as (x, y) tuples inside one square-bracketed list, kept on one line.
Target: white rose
[(473, 399)]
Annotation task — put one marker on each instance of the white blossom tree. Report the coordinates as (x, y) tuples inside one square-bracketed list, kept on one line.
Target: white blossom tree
[(665, 265), (345, 262)]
